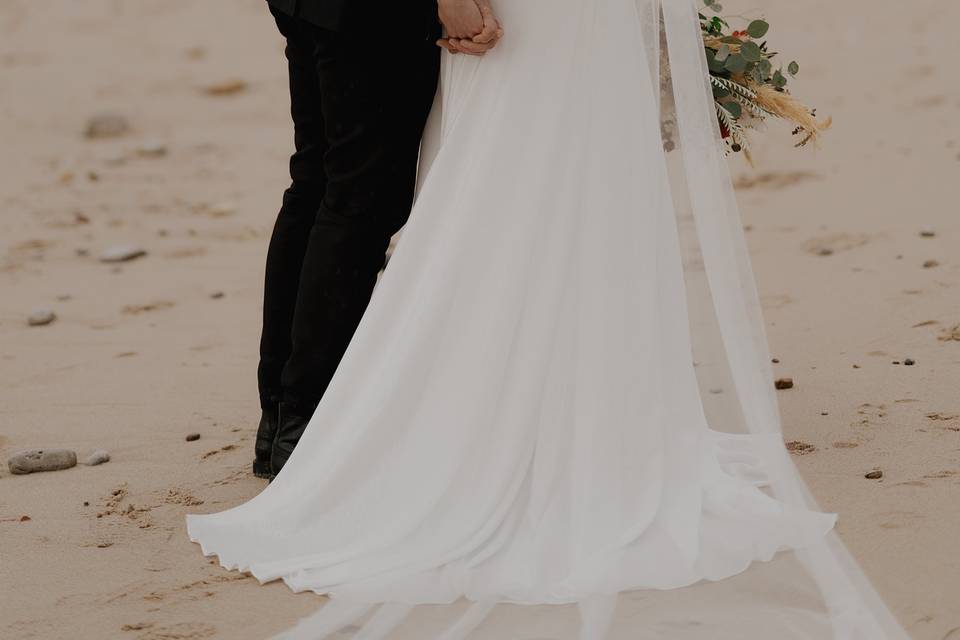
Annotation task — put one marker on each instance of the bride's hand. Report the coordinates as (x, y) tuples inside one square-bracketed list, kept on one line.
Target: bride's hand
[(479, 44)]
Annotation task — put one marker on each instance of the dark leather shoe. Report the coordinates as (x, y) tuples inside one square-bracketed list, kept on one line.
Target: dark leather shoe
[(263, 448), (290, 428)]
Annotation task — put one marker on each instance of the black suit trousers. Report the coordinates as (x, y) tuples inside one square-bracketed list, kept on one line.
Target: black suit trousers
[(359, 101)]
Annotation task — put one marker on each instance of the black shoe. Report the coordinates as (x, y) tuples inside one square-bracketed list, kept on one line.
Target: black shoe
[(266, 434), (290, 428)]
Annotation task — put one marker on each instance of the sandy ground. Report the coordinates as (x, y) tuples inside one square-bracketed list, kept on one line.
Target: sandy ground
[(145, 352)]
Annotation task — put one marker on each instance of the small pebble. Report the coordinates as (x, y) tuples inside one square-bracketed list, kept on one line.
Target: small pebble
[(775, 361), (928, 232), (86, 503), (37, 460), (97, 457), (193, 437), (216, 295), (824, 251), (874, 475), (783, 383), (824, 413), (107, 125), (41, 317), (909, 362), (122, 253), (930, 264)]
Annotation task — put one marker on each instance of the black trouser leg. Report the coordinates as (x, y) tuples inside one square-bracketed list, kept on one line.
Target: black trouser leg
[(301, 201), (375, 105)]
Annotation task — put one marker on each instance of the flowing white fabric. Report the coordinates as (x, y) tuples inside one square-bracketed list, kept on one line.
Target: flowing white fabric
[(556, 419)]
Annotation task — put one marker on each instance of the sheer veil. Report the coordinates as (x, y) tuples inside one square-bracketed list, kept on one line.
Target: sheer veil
[(815, 593)]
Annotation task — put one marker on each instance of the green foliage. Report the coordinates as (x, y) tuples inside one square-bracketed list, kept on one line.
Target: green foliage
[(738, 59)]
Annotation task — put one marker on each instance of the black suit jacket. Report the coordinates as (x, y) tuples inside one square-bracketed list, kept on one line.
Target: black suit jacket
[(336, 14)]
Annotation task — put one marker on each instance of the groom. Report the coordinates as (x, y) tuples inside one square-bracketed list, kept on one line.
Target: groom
[(363, 74)]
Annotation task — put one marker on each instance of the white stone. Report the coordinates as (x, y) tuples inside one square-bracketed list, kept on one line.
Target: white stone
[(122, 253), (41, 317)]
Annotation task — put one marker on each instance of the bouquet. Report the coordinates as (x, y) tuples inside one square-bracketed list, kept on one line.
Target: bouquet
[(747, 88)]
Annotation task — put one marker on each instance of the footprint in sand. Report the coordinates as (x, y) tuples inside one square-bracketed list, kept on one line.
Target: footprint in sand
[(186, 252), (800, 448), (115, 506), (951, 420), (845, 445), (774, 179), (776, 301), (136, 309), (181, 496), (179, 631), (834, 243), (951, 334), (209, 454)]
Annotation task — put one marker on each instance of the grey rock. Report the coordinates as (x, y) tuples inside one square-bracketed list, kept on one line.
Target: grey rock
[(97, 457), (41, 317), (36, 460), (874, 475), (107, 125), (193, 437), (122, 253), (909, 362)]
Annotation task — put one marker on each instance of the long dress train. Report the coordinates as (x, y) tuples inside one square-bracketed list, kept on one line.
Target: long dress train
[(560, 390)]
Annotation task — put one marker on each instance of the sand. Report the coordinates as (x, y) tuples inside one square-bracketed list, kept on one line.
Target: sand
[(145, 352)]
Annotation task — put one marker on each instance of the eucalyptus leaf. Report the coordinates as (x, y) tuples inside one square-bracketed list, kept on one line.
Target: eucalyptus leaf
[(719, 92), (734, 108), (751, 52), (736, 63), (779, 80), (716, 66), (793, 68), (758, 28)]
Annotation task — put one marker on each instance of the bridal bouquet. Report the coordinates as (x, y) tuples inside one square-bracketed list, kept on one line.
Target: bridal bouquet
[(747, 88)]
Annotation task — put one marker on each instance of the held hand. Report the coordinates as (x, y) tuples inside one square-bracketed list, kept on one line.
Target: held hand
[(461, 18), (483, 41)]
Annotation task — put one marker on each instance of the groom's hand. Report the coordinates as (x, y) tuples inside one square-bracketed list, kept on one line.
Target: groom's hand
[(461, 18), (482, 41)]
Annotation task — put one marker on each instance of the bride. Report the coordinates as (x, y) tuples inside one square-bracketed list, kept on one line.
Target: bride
[(556, 419)]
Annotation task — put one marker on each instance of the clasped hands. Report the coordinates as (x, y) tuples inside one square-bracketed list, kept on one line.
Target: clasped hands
[(470, 26)]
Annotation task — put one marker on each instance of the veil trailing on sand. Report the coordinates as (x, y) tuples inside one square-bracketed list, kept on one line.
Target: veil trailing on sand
[(753, 579)]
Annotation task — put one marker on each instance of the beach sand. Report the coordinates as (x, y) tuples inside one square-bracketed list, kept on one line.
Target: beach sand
[(143, 353)]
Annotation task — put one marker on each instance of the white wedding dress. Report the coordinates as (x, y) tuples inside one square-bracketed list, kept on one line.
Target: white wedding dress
[(560, 391)]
